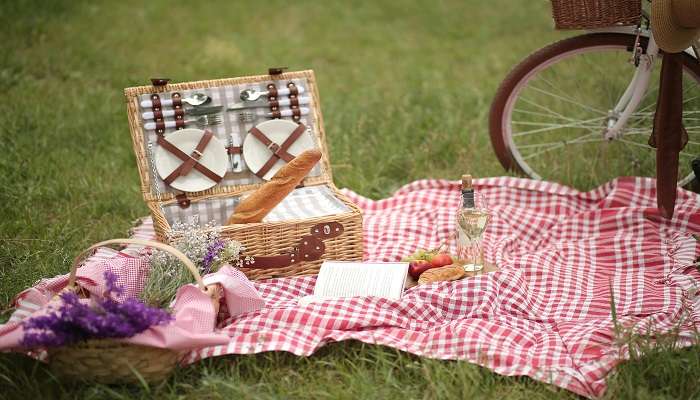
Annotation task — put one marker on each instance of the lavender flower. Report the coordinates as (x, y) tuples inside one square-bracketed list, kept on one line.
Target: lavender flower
[(75, 321), (200, 243), (111, 282), (212, 255)]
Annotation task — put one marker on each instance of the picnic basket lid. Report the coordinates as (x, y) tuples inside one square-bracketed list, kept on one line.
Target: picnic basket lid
[(225, 92)]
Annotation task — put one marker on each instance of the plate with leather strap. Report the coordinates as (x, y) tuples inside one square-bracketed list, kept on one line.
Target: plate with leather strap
[(265, 159), (184, 167)]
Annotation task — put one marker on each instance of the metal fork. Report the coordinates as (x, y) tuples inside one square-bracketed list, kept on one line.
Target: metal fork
[(248, 116), (205, 120), (201, 121)]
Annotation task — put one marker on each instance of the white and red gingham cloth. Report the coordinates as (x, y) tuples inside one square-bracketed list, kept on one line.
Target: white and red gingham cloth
[(546, 314)]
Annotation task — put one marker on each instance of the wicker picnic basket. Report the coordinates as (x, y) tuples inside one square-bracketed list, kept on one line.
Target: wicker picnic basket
[(591, 14), (111, 361), (271, 249)]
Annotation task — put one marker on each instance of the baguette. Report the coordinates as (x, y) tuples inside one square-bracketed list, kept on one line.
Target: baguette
[(256, 206)]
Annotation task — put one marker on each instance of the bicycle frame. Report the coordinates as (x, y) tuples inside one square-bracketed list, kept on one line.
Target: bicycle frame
[(638, 86)]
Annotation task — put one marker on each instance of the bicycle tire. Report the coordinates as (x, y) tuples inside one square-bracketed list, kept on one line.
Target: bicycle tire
[(533, 61)]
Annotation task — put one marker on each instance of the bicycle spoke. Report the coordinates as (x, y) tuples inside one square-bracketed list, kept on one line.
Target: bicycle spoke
[(555, 145), (551, 127), (569, 100), (539, 114), (646, 146), (543, 151), (551, 85), (557, 119)]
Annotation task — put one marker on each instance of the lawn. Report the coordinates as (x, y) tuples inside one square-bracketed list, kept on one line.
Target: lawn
[(405, 91)]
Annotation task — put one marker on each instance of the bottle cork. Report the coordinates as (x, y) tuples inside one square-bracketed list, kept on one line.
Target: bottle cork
[(467, 192), (466, 181)]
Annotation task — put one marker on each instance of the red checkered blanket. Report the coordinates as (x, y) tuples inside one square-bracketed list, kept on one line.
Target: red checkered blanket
[(546, 314)]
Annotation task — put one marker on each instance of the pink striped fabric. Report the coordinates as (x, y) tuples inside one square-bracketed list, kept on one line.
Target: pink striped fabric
[(546, 313)]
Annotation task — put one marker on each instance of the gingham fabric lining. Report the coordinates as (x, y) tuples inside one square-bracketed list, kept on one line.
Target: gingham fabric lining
[(231, 124), (301, 203), (307, 202)]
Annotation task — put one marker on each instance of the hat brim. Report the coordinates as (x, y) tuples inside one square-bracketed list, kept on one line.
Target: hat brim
[(670, 37)]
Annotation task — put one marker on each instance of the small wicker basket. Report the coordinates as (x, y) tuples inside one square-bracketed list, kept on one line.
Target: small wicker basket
[(590, 14), (111, 361)]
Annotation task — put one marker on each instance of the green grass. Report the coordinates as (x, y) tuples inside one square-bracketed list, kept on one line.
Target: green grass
[(405, 91)]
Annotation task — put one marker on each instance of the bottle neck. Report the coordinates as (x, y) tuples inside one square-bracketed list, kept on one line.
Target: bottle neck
[(468, 198)]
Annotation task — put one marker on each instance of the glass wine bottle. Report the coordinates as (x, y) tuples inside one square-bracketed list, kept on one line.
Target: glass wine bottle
[(471, 221)]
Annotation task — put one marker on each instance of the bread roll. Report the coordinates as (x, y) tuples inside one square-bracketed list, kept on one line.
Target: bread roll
[(256, 206), (448, 273)]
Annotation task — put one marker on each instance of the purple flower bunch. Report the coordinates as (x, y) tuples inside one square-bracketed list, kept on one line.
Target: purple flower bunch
[(75, 321), (212, 255)]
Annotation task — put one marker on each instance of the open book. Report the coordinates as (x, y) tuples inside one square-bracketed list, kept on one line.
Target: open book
[(346, 279)]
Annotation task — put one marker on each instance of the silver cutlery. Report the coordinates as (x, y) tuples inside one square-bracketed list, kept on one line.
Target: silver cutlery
[(235, 159), (196, 99), (264, 104), (204, 120), (251, 116), (254, 94), (187, 111)]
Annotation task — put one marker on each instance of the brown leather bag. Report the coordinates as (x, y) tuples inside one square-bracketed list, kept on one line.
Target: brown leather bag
[(668, 136)]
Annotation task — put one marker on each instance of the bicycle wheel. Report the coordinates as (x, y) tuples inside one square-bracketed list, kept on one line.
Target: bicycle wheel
[(549, 115)]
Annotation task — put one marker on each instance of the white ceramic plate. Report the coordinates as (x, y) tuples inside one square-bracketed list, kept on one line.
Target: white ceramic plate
[(256, 153), (214, 157)]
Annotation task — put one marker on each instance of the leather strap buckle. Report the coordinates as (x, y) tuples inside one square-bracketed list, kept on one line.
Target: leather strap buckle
[(279, 152), (274, 148), (309, 248), (189, 161), (196, 155)]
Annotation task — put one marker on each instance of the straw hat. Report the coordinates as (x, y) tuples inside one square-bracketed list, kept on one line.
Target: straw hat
[(675, 23)]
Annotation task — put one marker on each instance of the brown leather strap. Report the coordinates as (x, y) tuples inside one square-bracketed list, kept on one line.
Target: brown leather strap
[(310, 248), (184, 157), (271, 91), (158, 115), (278, 151), (159, 81), (176, 99), (160, 125), (296, 114), (155, 102), (275, 104), (196, 155), (182, 200), (293, 90), (668, 136), (257, 133), (234, 150)]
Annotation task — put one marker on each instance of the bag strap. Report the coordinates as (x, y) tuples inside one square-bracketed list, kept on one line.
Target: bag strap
[(668, 135), (310, 248)]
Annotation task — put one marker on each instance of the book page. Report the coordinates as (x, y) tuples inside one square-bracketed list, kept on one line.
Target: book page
[(346, 279)]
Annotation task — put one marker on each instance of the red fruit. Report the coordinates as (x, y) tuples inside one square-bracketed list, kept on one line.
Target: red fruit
[(417, 267), (441, 260)]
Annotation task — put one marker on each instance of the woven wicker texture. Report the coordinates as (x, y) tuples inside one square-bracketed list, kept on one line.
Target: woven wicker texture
[(274, 238), (589, 14), (259, 239), (109, 361)]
